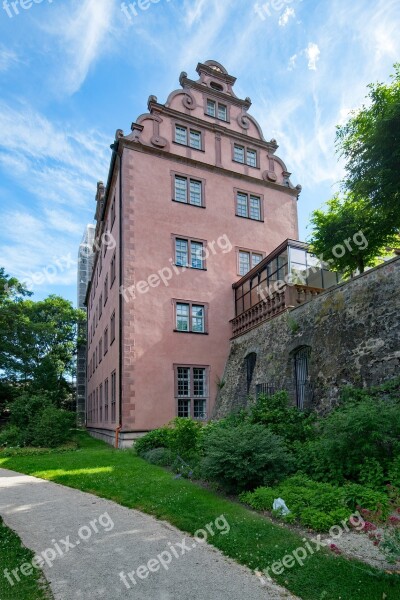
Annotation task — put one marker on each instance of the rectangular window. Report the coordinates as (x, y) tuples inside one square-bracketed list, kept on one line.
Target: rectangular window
[(192, 391), (196, 255), (188, 191), (112, 212), (182, 316), (195, 139), (101, 401), (106, 400), (181, 253), (248, 205), (222, 112), (181, 135), (105, 289), (189, 253), (251, 158), (242, 205), (112, 328), (113, 270), (186, 137), (190, 317), (211, 108), (238, 153), (100, 305), (100, 350), (248, 260), (244, 262), (105, 341), (113, 396)]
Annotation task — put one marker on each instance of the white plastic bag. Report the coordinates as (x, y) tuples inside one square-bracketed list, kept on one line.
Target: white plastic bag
[(280, 505)]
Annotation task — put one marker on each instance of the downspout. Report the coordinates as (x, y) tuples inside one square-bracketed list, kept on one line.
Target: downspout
[(120, 358)]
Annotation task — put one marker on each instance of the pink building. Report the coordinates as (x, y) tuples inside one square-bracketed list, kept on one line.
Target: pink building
[(195, 198)]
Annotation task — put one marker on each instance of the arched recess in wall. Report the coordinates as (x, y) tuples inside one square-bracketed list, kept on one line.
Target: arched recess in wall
[(250, 360), (301, 367)]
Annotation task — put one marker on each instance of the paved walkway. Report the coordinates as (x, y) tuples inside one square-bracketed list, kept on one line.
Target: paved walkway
[(87, 542)]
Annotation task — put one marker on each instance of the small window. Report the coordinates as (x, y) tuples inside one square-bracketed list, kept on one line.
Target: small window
[(189, 253), (112, 212), (112, 328), (181, 135), (101, 305), (101, 401), (248, 260), (188, 191), (191, 137), (216, 86), (248, 206), (105, 289), (238, 153), (301, 368), (113, 269), (211, 108), (190, 317), (251, 158), (100, 350), (105, 341), (222, 112)]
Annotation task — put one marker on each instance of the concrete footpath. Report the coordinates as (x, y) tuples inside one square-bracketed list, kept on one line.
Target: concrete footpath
[(92, 548)]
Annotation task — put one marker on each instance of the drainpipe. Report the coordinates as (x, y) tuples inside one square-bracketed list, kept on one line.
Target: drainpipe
[(114, 148)]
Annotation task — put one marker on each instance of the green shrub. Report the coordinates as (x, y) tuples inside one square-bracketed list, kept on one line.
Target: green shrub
[(10, 437), (26, 407), (50, 428), (275, 412), (358, 441), (159, 438), (159, 456), (184, 436), (314, 504), (244, 456), (394, 472)]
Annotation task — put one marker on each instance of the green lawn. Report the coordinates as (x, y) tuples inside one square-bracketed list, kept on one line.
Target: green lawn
[(253, 540), (12, 555)]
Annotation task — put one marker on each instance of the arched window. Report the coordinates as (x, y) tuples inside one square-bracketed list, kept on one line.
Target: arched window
[(250, 366), (301, 368)]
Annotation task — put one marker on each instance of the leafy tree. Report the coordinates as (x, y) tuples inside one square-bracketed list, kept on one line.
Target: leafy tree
[(370, 144), (37, 339), (350, 234)]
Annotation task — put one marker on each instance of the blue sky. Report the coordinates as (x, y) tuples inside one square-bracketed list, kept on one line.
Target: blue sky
[(72, 72)]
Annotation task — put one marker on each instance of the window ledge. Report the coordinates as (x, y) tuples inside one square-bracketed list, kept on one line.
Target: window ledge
[(193, 332), (250, 219), (188, 203), (189, 267), (188, 146)]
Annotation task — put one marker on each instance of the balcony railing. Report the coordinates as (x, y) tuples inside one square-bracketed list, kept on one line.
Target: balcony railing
[(272, 305)]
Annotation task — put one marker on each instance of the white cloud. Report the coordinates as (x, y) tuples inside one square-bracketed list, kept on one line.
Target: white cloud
[(8, 59), (313, 53), (284, 18), (292, 62), (194, 11), (81, 34)]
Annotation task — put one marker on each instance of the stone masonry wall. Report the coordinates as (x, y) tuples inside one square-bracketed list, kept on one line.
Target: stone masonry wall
[(352, 331)]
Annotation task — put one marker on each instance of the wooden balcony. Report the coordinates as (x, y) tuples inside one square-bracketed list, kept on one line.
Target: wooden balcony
[(272, 305)]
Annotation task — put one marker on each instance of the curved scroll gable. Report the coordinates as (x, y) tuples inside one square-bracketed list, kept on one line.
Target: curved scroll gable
[(244, 120), (271, 174), (140, 126), (188, 99)]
